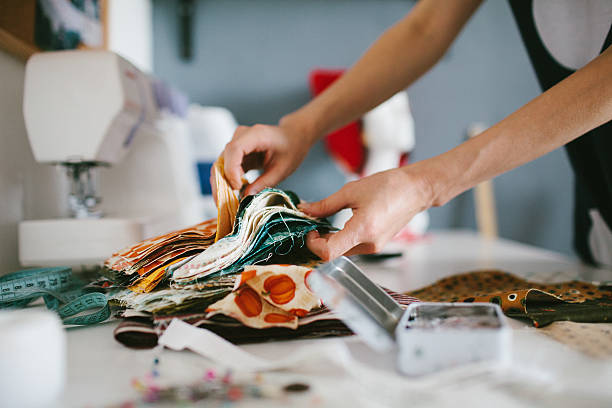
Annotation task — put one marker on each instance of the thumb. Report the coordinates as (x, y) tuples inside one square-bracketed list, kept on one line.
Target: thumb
[(333, 245), (327, 206)]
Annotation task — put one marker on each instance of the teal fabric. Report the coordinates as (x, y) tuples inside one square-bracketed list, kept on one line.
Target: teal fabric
[(282, 235)]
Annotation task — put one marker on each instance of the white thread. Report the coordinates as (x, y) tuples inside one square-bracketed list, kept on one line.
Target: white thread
[(290, 236)]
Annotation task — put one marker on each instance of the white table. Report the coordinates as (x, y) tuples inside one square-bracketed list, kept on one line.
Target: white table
[(543, 372)]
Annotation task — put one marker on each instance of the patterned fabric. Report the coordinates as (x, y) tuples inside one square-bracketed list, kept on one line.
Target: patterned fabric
[(174, 301), (201, 263), (142, 265), (541, 303), (268, 227), (268, 296), (227, 201), (268, 224), (142, 331)]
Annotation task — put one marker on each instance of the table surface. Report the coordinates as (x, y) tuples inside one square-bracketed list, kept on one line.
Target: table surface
[(542, 372)]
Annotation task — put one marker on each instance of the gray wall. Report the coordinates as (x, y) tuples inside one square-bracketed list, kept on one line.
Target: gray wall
[(253, 57)]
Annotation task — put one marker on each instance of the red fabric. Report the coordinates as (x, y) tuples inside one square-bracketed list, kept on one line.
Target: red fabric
[(345, 144)]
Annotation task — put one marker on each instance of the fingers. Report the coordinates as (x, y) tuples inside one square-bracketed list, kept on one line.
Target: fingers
[(361, 249), (327, 206), (245, 141), (331, 246), (270, 178), (327, 248)]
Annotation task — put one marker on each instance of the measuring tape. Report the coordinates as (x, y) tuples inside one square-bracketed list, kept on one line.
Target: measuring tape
[(60, 291)]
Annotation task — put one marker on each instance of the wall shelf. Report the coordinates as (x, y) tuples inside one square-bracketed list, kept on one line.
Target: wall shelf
[(16, 46)]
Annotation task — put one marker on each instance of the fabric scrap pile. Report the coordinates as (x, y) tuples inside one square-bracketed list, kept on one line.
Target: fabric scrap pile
[(143, 331), (242, 275), (143, 266), (268, 224)]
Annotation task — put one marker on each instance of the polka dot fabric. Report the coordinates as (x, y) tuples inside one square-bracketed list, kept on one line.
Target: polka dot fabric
[(541, 303)]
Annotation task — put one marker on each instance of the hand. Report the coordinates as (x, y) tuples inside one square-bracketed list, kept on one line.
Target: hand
[(278, 150), (382, 204)]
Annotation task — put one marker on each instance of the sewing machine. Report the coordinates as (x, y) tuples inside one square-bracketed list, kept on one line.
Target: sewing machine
[(118, 134)]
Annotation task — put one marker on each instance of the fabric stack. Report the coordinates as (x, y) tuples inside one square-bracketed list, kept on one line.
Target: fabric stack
[(242, 275), (267, 225), (143, 266)]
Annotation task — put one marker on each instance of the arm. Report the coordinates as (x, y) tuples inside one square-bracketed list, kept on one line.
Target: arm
[(398, 58), (401, 55), (385, 202), (580, 103)]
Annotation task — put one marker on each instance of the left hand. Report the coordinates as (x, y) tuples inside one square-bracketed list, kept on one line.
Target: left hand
[(382, 204)]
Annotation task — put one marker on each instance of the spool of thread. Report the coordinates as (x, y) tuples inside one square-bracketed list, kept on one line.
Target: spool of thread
[(32, 358)]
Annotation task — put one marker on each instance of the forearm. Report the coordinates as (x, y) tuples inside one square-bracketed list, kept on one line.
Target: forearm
[(573, 107), (400, 56)]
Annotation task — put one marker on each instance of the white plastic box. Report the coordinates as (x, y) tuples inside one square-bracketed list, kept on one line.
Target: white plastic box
[(434, 336)]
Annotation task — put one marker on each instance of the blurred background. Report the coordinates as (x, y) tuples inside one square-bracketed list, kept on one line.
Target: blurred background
[(254, 57)]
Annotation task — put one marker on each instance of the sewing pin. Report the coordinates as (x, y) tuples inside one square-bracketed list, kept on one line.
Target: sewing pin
[(210, 375)]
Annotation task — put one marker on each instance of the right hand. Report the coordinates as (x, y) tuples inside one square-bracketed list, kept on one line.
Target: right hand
[(277, 150)]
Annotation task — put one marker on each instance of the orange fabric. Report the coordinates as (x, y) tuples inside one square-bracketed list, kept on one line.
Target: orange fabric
[(142, 266), (149, 282), (246, 306), (127, 258), (227, 201), (268, 296), (248, 302), (277, 318), (280, 288)]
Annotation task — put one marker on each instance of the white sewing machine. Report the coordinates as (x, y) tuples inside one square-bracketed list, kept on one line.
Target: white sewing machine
[(89, 111)]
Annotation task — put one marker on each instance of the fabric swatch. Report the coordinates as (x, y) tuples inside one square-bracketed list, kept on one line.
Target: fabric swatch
[(142, 265), (268, 296), (166, 301), (227, 201), (541, 303), (267, 224)]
